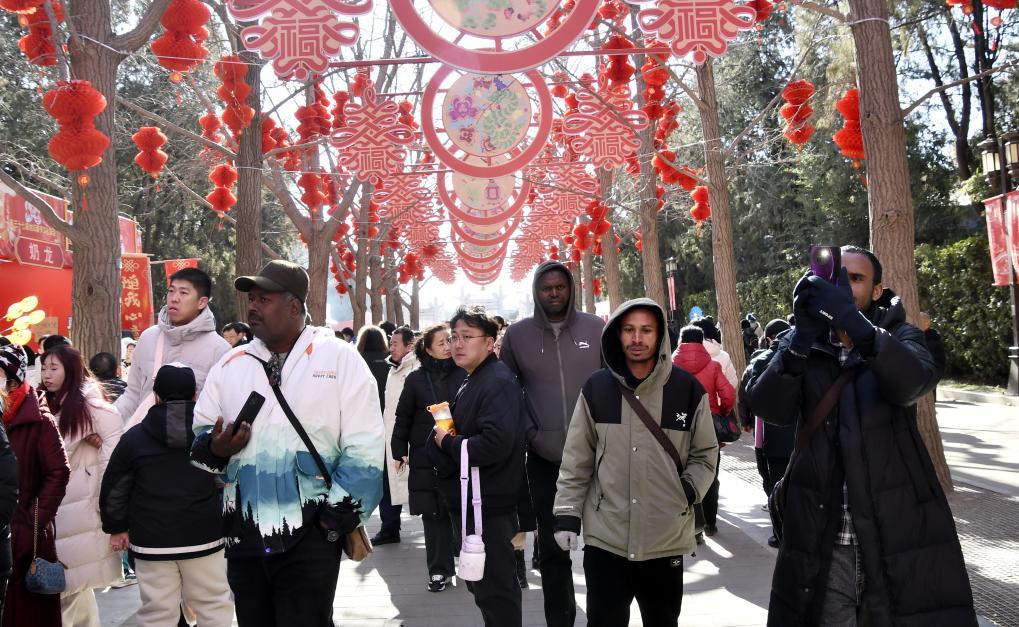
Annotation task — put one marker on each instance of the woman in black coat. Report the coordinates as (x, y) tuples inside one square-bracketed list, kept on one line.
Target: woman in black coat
[(437, 380)]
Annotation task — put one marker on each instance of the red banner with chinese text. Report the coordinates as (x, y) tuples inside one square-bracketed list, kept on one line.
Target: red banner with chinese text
[(136, 295), (1003, 235), (174, 265)]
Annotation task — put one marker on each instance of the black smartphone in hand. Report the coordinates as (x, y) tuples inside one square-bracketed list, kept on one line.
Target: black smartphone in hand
[(251, 408), (826, 262)]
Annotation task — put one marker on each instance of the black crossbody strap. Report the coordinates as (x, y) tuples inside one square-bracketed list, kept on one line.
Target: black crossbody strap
[(297, 426), (652, 426)]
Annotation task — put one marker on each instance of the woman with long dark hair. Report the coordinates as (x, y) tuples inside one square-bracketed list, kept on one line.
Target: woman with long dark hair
[(437, 380), (91, 428), (42, 479)]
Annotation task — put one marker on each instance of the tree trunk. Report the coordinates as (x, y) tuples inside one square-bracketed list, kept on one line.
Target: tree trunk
[(248, 210), (415, 304), (359, 295), (392, 286), (889, 195), (588, 268), (724, 260), (95, 287), (578, 293), (609, 256), (375, 271), (654, 284), (318, 272)]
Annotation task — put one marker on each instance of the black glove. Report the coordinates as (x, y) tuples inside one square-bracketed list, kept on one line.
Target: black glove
[(808, 327), (835, 303)]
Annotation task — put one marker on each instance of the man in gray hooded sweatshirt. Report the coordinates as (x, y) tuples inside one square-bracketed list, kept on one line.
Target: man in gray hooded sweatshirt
[(552, 353)]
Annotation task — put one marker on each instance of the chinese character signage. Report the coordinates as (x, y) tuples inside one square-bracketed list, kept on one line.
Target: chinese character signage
[(136, 296), (26, 237), (697, 27)]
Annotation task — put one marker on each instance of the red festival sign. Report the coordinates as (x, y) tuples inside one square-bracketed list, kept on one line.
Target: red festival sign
[(1003, 235), (136, 296), (172, 266)]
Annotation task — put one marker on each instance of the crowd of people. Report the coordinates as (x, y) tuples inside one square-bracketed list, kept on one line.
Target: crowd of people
[(231, 470)]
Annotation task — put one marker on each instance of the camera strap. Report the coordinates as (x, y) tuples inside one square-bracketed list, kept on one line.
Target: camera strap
[(465, 479)]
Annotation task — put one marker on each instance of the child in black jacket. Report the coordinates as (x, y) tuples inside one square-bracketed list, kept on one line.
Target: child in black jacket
[(168, 513)]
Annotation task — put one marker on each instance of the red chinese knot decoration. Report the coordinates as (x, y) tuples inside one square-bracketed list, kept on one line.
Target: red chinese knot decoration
[(604, 127), (372, 140), (697, 27), (299, 36)]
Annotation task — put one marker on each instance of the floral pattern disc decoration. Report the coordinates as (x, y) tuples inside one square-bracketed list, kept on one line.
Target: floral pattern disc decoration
[(486, 116), (494, 18)]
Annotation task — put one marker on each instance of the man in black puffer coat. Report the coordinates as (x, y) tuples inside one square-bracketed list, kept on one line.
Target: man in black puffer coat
[(868, 536)]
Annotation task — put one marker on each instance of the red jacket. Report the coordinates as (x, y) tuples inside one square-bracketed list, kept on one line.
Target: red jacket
[(694, 358), (43, 474)]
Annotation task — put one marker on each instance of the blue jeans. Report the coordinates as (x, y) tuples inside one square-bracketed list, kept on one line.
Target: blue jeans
[(843, 598)]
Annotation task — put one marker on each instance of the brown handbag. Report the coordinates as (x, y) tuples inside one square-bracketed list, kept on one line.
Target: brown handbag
[(357, 545)]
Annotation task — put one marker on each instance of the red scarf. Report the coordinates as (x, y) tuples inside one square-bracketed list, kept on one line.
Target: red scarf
[(14, 401)]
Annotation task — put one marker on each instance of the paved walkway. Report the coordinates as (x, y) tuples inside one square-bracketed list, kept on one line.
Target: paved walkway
[(728, 581)]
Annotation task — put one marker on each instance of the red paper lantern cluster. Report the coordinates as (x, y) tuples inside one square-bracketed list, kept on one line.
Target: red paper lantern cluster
[(181, 46), (701, 210), (849, 138), (362, 79), (410, 268), (797, 112), (310, 184), (967, 5), (211, 126), (149, 140), (234, 93), (762, 9), (596, 286), (655, 76), (638, 243), (613, 11), (560, 79), (373, 220), (664, 162), (599, 225), (223, 176), (618, 71), (339, 117), (37, 44), (20, 6), (667, 124), (78, 145), (407, 114)]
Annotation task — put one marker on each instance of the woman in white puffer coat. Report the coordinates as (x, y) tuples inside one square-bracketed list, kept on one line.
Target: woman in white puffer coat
[(91, 428)]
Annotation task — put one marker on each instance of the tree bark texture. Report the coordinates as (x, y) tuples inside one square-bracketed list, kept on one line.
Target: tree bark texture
[(588, 270), (96, 285), (319, 245), (654, 284), (248, 210), (578, 292), (359, 295), (392, 287), (375, 272), (724, 260), (889, 195), (415, 304), (610, 258)]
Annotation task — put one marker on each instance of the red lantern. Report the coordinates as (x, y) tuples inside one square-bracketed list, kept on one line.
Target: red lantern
[(234, 92), (180, 48), (74, 104), (149, 140), (701, 210), (797, 111), (850, 137), (762, 9), (223, 176), (37, 44)]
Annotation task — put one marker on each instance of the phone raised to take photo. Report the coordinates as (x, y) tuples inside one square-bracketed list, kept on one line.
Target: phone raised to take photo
[(825, 262), (251, 408)]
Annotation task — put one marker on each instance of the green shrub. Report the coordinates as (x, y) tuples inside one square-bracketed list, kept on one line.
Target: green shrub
[(972, 315), (955, 288)]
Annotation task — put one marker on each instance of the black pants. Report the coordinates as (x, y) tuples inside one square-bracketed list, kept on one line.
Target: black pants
[(389, 513), (497, 595), (707, 512), (439, 541), (614, 581), (771, 469), (292, 588), (556, 567), (3, 594)]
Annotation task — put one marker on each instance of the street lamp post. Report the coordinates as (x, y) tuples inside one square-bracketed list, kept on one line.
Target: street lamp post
[(998, 156)]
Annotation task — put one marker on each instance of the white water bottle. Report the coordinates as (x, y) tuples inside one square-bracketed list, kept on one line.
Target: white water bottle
[(472, 550)]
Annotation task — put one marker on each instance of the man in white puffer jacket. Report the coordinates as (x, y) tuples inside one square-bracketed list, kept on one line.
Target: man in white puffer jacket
[(185, 333)]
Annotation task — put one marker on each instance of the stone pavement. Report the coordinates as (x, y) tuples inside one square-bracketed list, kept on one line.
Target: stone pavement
[(728, 581)]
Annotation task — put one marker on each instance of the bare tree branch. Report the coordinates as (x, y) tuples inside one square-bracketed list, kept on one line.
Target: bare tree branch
[(823, 10), (139, 35), (168, 125), (916, 103)]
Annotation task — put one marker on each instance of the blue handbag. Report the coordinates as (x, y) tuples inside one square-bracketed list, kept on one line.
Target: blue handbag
[(43, 576)]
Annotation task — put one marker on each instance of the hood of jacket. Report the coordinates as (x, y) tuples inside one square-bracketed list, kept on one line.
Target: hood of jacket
[(408, 363), (204, 322), (539, 313), (612, 349), (170, 423), (887, 312), (692, 357)]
